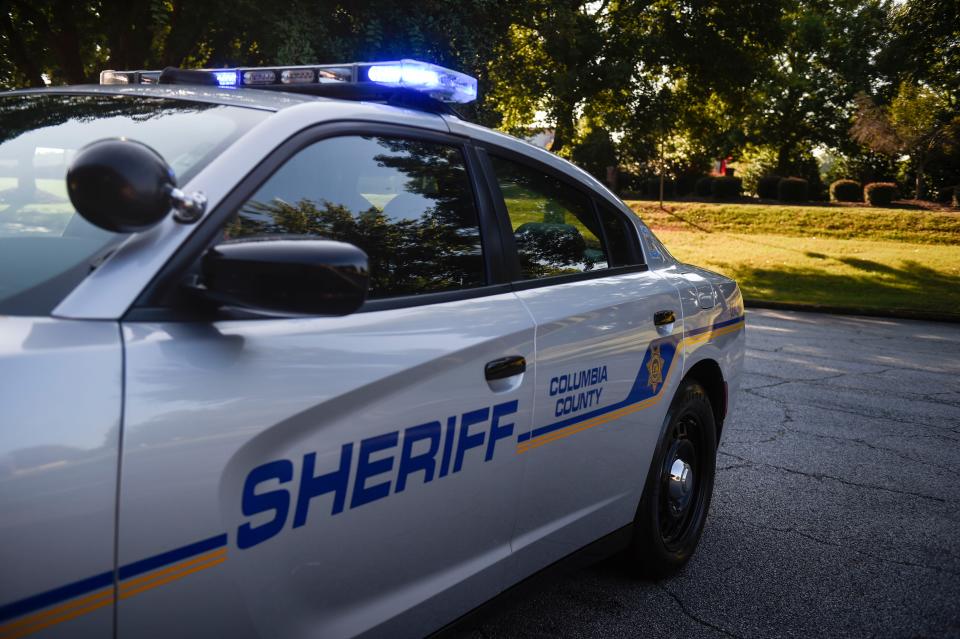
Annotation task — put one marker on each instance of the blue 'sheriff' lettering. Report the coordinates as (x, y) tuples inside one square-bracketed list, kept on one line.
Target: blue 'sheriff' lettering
[(425, 461), (496, 430), (333, 482), (466, 441), (448, 445), (253, 503), (416, 449), (363, 494)]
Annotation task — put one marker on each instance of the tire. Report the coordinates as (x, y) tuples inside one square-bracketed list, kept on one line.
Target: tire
[(672, 512)]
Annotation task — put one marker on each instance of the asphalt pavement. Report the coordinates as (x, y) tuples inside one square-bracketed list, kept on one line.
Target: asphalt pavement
[(836, 510)]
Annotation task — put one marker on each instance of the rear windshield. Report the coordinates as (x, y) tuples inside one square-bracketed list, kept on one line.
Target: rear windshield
[(46, 248)]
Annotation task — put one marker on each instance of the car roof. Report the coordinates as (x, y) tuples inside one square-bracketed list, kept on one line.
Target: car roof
[(271, 100), (249, 98)]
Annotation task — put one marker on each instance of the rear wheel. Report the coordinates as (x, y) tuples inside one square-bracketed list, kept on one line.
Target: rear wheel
[(679, 485)]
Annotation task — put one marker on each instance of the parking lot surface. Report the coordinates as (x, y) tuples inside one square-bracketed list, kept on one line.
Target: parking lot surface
[(836, 510)]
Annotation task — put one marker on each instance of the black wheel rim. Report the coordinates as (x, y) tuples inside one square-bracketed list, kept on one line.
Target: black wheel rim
[(682, 482)]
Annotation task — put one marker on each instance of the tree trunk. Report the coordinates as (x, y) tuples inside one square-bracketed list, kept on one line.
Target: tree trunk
[(918, 187), (66, 42), (783, 159), (129, 33), (564, 131), (661, 172)]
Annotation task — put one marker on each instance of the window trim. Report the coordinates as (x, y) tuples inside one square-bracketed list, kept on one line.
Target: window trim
[(510, 254), (633, 239), (566, 278), (161, 298)]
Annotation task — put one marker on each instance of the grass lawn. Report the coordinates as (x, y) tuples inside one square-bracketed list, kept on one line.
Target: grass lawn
[(852, 257)]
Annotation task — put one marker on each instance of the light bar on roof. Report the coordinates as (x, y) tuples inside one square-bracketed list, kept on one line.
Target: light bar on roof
[(438, 82), (429, 78)]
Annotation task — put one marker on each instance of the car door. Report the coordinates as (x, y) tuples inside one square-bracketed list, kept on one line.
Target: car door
[(61, 397), (606, 370), (333, 476)]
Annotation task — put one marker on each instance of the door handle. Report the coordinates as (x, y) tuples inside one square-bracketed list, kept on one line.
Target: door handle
[(662, 318), (505, 367)]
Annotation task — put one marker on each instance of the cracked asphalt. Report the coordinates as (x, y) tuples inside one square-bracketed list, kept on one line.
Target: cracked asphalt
[(836, 510)]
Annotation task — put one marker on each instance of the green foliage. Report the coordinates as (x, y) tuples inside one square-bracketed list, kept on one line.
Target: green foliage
[(918, 122), (651, 188), (726, 188), (767, 187), (839, 256), (801, 100), (704, 186), (686, 183), (840, 222), (862, 165), (846, 191), (880, 193), (925, 48), (950, 195), (595, 153), (793, 189), (552, 61), (753, 163), (666, 86)]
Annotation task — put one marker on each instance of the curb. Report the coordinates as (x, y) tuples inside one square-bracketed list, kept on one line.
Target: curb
[(894, 313)]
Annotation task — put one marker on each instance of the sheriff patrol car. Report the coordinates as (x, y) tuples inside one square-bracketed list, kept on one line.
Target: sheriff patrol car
[(296, 351)]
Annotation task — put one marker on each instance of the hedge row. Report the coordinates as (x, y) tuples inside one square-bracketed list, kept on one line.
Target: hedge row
[(769, 187), (785, 189), (792, 189), (846, 191), (875, 193), (880, 193), (720, 188)]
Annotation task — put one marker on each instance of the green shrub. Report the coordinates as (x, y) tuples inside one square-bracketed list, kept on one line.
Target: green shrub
[(627, 181), (949, 195), (685, 184), (792, 189), (726, 187), (651, 187), (880, 193), (704, 186), (767, 187), (846, 191)]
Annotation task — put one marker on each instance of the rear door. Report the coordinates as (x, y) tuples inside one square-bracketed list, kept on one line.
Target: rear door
[(333, 476), (605, 371)]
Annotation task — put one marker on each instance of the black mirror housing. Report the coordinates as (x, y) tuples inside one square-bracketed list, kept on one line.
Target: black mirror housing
[(120, 185), (291, 276)]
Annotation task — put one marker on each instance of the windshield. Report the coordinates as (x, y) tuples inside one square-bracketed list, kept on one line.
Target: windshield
[(46, 248)]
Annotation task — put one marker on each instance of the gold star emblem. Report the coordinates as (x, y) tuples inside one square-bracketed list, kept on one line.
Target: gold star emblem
[(655, 368)]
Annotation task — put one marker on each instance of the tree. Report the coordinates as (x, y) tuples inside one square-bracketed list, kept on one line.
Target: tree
[(806, 98), (553, 61), (917, 123), (925, 48), (686, 71)]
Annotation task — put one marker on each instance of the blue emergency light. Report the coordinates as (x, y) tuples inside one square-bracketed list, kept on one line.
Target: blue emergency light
[(435, 81)]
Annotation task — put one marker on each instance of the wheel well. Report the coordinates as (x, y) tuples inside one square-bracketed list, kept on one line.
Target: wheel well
[(708, 373)]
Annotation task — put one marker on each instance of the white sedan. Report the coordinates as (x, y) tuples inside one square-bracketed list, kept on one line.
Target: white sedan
[(367, 368)]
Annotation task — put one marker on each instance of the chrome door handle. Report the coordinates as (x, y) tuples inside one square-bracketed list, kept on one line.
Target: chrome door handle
[(505, 367), (662, 318)]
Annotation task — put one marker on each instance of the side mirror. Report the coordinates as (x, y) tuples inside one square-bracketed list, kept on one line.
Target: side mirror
[(125, 186), (286, 275)]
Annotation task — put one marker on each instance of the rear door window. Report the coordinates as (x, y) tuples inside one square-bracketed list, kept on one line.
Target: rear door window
[(554, 225), (618, 233)]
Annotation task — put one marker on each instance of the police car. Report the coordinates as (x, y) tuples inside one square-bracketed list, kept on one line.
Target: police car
[(296, 351)]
